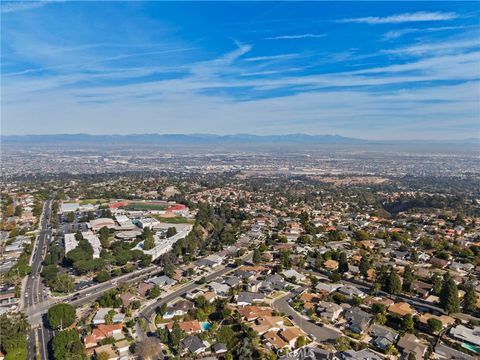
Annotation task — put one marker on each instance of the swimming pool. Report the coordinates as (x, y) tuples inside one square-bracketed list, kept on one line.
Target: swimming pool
[(206, 326)]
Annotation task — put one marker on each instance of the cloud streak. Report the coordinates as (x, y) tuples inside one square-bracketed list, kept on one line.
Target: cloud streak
[(15, 6), (420, 16), (295, 37)]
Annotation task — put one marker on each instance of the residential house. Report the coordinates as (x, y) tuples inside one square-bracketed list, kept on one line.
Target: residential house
[(268, 323), (444, 319), (327, 287), (274, 341), (290, 335), (190, 327), (410, 344), (470, 336), (99, 317), (249, 298), (179, 308), (251, 313), (444, 352), (219, 349), (162, 281), (219, 289), (401, 309), (364, 354), (358, 320), (382, 336), (351, 291), (290, 273), (421, 288), (331, 265), (329, 311), (194, 345)]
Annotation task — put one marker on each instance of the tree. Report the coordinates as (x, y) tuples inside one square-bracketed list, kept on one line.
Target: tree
[(150, 348), (154, 292), (171, 231), (407, 279), (449, 295), (162, 309), (245, 350), (70, 217), (361, 235), (407, 324), (50, 272), (146, 260), (257, 256), (437, 284), (364, 265), (470, 298), (434, 325), (176, 335), (148, 244), (104, 236), (18, 210), (61, 316), (342, 263), (67, 345), (392, 283), (14, 328), (227, 336), (380, 318), (64, 283), (102, 276), (301, 342)]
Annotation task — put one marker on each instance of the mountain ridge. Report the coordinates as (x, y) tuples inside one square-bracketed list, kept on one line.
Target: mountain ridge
[(199, 138)]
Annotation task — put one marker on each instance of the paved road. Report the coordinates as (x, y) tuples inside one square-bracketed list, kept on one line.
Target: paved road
[(34, 290), (318, 333), (84, 296)]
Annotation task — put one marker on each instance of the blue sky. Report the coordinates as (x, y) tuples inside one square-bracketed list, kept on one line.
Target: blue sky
[(379, 70)]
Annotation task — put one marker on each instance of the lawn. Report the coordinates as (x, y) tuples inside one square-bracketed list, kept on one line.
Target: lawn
[(17, 354), (175, 220), (144, 206)]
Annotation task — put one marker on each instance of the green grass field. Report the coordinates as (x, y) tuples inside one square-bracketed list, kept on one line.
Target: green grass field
[(17, 354), (145, 206), (175, 220)]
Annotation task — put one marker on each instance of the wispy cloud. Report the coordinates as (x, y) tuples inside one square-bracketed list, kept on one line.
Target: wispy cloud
[(272, 57), (437, 48), (299, 36), (403, 18), (395, 34), (14, 6)]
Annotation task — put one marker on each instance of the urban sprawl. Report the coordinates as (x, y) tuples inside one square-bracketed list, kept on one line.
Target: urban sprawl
[(235, 257)]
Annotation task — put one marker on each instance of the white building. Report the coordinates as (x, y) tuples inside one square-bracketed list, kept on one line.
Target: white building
[(71, 243), (163, 246), (150, 223)]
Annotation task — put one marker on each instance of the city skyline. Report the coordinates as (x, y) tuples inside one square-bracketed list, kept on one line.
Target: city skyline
[(395, 71)]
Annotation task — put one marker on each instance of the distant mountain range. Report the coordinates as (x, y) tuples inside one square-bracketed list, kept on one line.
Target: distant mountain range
[(205, 139), (183, 139)]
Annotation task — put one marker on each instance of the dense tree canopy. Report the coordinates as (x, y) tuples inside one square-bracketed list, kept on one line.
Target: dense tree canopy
[(67, 345), (61, 316)]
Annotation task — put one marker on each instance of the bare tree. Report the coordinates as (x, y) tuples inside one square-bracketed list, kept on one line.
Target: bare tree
[(149, 349)]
